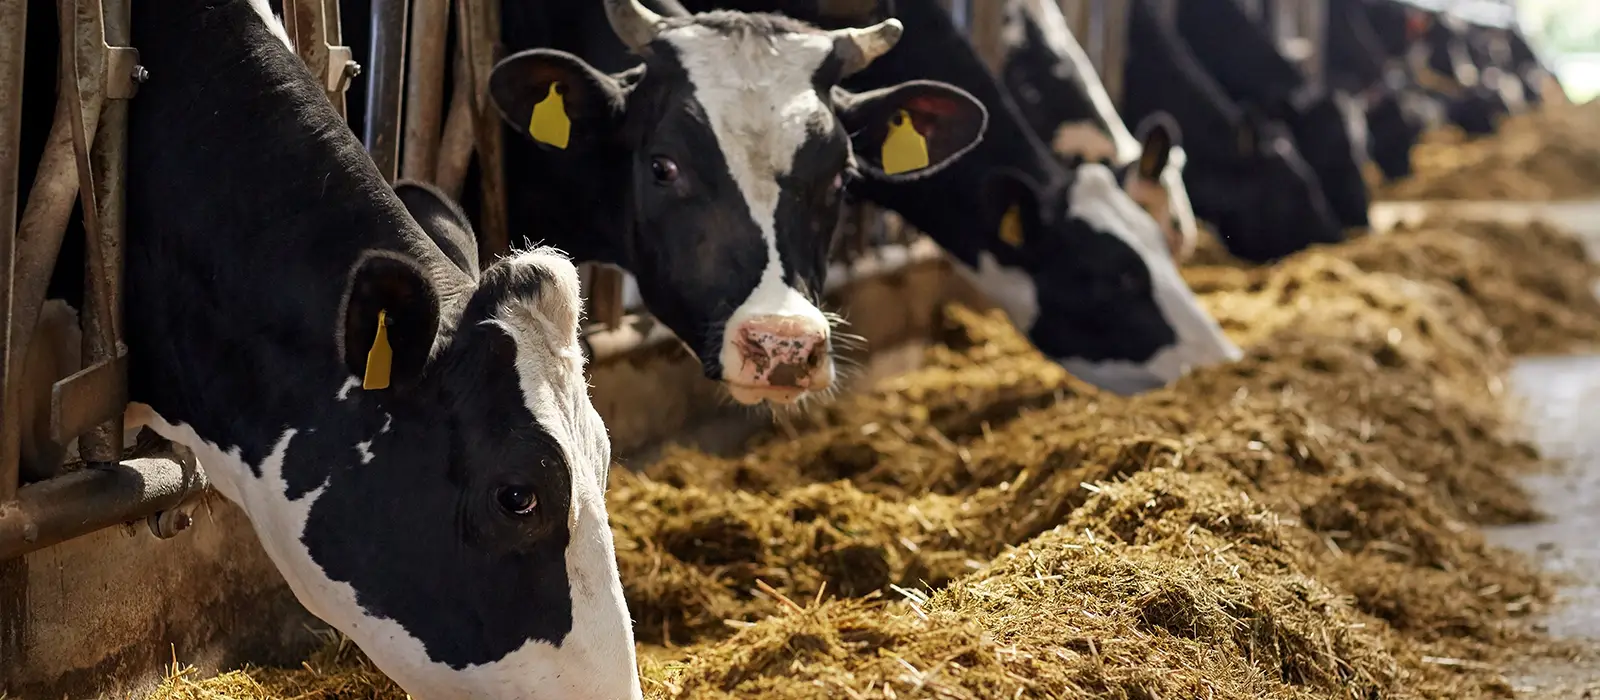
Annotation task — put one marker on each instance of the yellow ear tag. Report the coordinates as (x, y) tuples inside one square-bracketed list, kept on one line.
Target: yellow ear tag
[(904, 149), (1011, 227), (378, 357), (550, 123)]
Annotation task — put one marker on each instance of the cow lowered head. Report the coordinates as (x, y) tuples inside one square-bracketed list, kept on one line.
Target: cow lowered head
[(723, 158), (411, 437), (1089, 277)]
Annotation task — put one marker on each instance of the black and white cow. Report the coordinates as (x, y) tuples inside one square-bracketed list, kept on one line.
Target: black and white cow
[(1244, 173), (713, 170), (1248, 65), (1062, 99), (450, 518), (1073, 260)]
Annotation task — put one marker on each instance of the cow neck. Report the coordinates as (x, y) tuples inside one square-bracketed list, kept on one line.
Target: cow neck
[(1163, 75), (948, 205), (248, 203)]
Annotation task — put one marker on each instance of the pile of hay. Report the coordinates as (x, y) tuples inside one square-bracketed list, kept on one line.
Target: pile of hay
[(1300, 524), (1550, 154), (1535, 283)]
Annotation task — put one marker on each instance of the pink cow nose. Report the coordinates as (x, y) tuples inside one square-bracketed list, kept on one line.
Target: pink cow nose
[(779, 358)]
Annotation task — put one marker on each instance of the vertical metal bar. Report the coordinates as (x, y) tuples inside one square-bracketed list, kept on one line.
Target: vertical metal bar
[(988, 21), (455, 146), (1114, 48), (102, 319), (13, 52), (310, 26), (333, 36), (424, 88), (481, 20), (386, 85)]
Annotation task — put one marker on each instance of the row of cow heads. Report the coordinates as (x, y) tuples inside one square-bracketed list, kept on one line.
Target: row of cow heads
[(727, 151), (1085, 270)]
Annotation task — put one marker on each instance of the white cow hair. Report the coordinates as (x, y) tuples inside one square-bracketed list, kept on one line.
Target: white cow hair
[(762, 107), (274, 23), (1053, 25), (1097, 201), (549, 364)]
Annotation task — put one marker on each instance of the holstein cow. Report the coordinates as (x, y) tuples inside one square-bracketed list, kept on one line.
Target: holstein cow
[(1062, 99), (1075, 262), (1244, 173), (714, 170), (1396, 112), (411, 439), (1435, 61), (1249, 67)]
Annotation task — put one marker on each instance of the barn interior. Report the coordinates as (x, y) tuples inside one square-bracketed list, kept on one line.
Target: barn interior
[(1389, 495)]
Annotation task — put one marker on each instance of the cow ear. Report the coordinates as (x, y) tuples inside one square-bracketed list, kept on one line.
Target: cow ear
[(910, 130), (444, 222), (1012, 199), (555, 98), (1158, 135), (389, 321)]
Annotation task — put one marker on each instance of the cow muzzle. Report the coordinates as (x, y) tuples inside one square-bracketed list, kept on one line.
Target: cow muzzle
[(777, 358)]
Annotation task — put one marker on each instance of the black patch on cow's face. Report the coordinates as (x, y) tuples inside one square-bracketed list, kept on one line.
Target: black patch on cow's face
[(1265, 201), (1323, 139), (1391, 134), (428, 532), (684, 220), (1094, 293)]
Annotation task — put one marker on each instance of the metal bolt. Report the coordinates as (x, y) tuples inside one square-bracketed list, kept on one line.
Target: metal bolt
[(351, 70), (140, 74), (168, 523)]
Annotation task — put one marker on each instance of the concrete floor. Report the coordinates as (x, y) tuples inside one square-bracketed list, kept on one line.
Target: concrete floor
[(1562, 405)]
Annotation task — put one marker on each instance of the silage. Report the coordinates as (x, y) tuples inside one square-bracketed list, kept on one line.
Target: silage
[(1301, 523), (1549, 154)]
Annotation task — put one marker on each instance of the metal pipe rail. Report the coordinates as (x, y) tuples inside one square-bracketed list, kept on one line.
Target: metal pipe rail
[(94, 498)]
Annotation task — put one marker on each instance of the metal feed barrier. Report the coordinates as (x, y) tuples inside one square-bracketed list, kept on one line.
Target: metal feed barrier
[(413, 130)]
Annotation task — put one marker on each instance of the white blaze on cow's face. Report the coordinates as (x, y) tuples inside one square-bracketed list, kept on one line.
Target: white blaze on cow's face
[(762, 106), (1086, 274), (736, 144)]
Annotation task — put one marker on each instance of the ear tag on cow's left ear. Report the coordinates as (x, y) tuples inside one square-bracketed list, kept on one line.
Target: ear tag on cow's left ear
[(1011, 227), (379, 357), (550, 123), (904, 149)]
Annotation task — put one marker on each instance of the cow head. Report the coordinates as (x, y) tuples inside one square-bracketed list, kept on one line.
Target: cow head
[(1087, 275), (727, 153), (1263, 198), (470, 524), (1155, 182), (1323, 137), (1391, 132)]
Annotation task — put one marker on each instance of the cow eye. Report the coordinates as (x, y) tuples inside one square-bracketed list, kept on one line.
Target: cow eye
[(663, 169), (518, 501)]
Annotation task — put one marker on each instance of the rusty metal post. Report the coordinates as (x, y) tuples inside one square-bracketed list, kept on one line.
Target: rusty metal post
[(455, 145), (430, 21), (1113, 46), (987, 23), (87, 500), (13, 52), (386, 86), (480, 21), (314, 27), (79, 97), (605, 300), (101, 171)]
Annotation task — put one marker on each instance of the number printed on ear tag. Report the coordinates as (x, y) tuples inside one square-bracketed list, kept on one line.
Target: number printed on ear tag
[(904, 149), (550, 123)]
